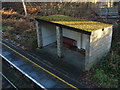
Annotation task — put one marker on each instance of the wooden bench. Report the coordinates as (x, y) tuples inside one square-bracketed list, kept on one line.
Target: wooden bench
[(69, 43)]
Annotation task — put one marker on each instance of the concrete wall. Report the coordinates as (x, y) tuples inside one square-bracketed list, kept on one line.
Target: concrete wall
[(48, 33), (100, 43), (81, 42)]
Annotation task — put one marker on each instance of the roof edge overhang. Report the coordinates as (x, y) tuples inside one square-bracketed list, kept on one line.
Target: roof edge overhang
[(104, 28), (64, 26)]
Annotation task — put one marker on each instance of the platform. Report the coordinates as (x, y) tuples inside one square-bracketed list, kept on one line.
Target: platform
[(70, 57), (29, 71), (37, 71)]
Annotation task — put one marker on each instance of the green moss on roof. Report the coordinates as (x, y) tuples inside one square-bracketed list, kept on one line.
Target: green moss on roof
[(82, 24), (59, 18)]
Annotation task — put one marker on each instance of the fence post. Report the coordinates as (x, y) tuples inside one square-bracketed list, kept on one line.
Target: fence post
[(24, 7)]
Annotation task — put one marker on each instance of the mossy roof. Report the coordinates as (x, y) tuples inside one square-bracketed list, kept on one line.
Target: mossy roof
[(81, 24)]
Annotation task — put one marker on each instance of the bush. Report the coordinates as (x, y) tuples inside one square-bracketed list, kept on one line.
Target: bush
[(26, 31), (110, 64), (4, 28), (103, 80)]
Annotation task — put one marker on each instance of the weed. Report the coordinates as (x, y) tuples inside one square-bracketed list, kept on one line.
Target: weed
[(4, 28), (17, 16)]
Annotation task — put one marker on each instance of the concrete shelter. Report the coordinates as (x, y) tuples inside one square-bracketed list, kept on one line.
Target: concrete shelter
[(94, 38)]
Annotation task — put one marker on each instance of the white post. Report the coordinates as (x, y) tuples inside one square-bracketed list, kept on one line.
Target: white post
[(24, 7), (39, 34), (59, 41)]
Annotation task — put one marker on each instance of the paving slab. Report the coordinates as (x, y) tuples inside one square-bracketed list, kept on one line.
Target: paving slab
[(37, 75), (18, 62), (26, 68), (57, 86), (47, 83), (11, 57), (5, 53)]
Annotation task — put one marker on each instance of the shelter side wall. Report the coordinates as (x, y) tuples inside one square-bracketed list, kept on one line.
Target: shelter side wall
[(48, 33), (100, 44)]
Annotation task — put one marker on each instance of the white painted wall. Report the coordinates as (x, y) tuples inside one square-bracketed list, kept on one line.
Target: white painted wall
[(84, 40), (76, 36), (49, 35), (110, 38)]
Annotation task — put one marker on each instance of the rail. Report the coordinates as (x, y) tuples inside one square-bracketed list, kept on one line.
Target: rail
[(9, 81)]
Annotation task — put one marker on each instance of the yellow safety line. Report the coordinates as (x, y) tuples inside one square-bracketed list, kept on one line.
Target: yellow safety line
[(41, 67)]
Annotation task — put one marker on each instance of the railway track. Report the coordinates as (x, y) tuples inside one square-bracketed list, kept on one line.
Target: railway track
[(16, 77), (6, 83)]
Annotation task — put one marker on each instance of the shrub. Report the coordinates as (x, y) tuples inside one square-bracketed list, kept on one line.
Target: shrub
[(103, 80), (4, 28), (26, 30), (110, 64)]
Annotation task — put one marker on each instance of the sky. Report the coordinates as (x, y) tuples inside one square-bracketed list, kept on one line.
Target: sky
[(59, 0)]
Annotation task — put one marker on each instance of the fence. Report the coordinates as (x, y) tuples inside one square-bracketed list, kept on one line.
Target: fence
[(65, 8), (110, 12)]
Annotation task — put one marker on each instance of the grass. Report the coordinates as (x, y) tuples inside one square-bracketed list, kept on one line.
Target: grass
[(82, 24), (103, 79)]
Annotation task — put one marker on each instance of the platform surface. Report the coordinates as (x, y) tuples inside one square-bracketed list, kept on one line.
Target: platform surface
[(40, 73), (73, 58)]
